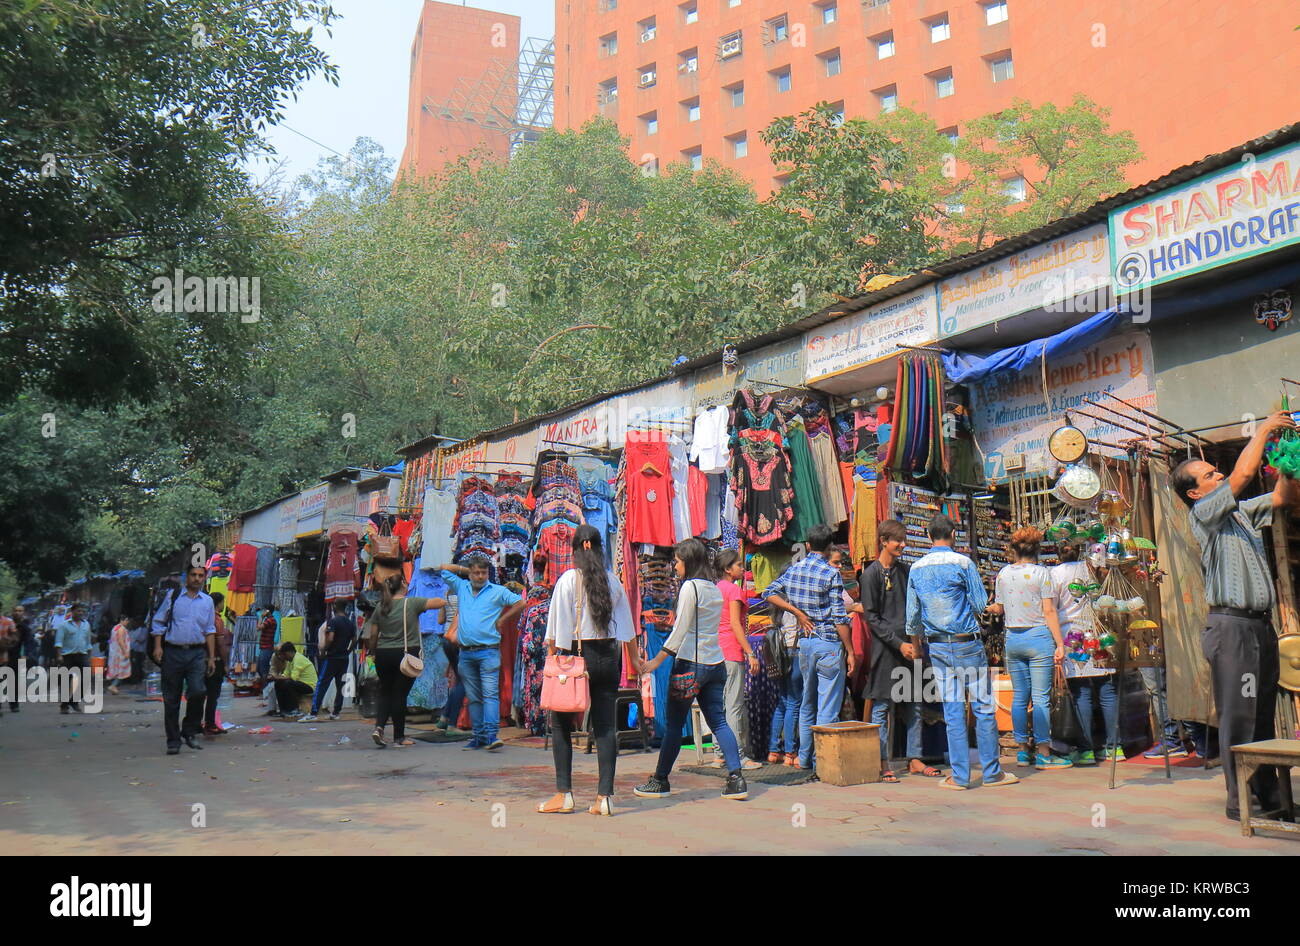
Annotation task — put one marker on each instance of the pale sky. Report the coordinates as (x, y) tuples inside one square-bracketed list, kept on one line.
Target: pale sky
[(371, 46)]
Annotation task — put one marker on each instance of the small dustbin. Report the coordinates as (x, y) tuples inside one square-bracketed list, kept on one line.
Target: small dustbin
[(848, 752)]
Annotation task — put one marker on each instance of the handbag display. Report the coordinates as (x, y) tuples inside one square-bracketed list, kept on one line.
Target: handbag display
[(685, 684), (566, 687), (1068, 729), (386, 547), (412, 665)]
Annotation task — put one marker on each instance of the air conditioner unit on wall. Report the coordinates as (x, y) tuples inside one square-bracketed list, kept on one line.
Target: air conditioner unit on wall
[(689, 66), (647, 36), (730, 48), (647, 78)]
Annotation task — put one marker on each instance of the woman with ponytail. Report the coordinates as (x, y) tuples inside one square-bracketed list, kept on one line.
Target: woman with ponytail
[(589, 604), (392, 632)]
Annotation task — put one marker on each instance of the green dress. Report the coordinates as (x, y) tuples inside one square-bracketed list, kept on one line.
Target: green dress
[(808, 510)]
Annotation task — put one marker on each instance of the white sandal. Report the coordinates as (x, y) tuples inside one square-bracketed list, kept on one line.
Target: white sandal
[(566, 809)]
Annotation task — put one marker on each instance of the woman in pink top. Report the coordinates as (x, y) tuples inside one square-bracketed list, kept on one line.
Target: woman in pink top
[(738, 656)]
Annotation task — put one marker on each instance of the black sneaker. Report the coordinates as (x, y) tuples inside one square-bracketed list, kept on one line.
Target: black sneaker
[(654, 787), (735, 787)]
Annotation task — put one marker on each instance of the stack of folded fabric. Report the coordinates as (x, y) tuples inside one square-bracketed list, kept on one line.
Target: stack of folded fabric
[(557, 514), (513, 521), (476, 526)]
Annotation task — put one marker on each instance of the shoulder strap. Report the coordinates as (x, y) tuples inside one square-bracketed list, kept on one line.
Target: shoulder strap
[(579, 593), (697, 618), (403, 604)]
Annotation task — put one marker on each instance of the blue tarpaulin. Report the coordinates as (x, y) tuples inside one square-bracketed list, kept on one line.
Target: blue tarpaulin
[(964, 368)]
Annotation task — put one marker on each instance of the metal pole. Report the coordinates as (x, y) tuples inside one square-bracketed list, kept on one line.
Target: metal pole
[(1153, 416)]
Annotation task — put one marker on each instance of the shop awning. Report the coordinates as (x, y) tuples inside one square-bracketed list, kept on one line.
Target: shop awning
[(964, 368)]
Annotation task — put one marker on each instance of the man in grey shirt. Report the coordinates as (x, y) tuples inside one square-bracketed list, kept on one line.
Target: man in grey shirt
[(1239, 643)]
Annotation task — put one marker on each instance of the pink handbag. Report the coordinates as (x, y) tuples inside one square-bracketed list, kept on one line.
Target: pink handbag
[(565, 686)]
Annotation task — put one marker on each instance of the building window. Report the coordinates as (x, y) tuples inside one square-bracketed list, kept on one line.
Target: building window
[(739, 146), (954, 209), (888, 98), (782, 78), (943, 86), (1002, 68), (609, 45), (950, 134), (688, 61), (650, 123), (938, 28), (778, 29), (608, 91), (1014, 188), (733, 3), (690, 12), (737, 94), (830, 12), (995, 12), (729, 46), (884, 45), (695, 158), (692, 107), (649, 75), (607, 5), (832, 62), (647, 28)]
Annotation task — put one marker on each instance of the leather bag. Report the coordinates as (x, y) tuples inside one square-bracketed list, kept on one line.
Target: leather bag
[(566, 687)]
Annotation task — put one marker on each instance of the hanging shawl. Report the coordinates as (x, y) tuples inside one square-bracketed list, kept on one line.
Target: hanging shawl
[(916, 446)]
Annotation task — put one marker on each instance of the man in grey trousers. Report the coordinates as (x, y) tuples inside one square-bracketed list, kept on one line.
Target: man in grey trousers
[(1239, 642)]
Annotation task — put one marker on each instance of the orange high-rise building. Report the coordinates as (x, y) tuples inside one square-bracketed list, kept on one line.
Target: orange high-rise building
[(699, 79), (463, 93)]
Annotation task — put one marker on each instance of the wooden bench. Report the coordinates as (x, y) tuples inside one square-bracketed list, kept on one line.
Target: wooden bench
[(1283, 754)]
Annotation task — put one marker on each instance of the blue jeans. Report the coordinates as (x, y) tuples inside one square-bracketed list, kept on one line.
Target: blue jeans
[(785, 715), (264, 656), (822, 665), (1029, 660), (1154, 678), (712, 698), (332, 669), (911, 717), (481, 672), (961, 668), (1084, 688)]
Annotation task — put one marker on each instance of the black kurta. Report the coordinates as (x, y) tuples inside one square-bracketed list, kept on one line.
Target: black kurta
[(885, 610)]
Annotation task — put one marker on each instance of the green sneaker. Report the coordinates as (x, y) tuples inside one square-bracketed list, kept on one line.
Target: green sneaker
[(1084, 758), (1105, 754), (1042, 762)]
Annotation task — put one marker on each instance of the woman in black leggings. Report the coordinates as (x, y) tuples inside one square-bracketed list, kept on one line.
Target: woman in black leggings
[(393, 631), (589, 604)]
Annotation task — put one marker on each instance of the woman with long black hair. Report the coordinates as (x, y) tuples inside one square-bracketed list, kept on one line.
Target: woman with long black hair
[(392, 632), (590, 605), (697, 660)]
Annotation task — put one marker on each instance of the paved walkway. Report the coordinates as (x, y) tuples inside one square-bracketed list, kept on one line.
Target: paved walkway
[(101, 784)]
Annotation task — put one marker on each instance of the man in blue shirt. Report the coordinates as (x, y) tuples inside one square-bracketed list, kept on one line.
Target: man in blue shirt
[(944, 597), (482, 607), (72, 648), (184, 634), (813, 592)]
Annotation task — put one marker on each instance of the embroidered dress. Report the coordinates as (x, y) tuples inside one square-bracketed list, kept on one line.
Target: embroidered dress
[(760, 470), (532, 650)]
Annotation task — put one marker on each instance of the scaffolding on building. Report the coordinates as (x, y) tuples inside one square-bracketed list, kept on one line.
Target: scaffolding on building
[(518, 100)]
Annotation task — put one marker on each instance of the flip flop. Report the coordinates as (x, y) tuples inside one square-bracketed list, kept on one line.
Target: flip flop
[(928, 772), (950, 784), (889, 777)]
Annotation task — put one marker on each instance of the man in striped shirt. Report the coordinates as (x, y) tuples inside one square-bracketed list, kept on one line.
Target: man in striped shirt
[(813, 592)]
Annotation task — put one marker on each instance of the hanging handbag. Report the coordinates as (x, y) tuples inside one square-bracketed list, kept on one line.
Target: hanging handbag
[(685, 684), (566, 688), (412, 665)]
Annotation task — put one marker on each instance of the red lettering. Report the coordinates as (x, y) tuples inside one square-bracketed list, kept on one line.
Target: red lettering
[(1261, 182), (1135, 220), (1167, 220), (1230, 192), (1197, 208)]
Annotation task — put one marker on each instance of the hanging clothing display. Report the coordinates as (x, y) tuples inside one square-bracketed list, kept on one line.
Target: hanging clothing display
[(808, 511), (243, 574), (916, 444), (341, 566), (760, 471), (681, 488), (220, 565), (244, 648), (709, 440), (862, 526), (594, 477), (287, 597), (267, 568), (476, 527), (557, 514), (436, 545), (532, 657), (649, 490), (513, 520), (697, 489), (828, 470)]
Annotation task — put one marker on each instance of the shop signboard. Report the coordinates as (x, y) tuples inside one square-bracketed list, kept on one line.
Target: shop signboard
[(666, 405), (516, 453), (341, 508), (780, 364), (871, 334), (588, 427), (1244, 210), (1013, 417), (311, 510), (463, 456), (1045, 276), (288, 520)]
